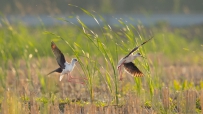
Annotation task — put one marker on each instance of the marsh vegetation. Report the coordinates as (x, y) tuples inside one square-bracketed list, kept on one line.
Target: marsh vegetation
[(173, 69)]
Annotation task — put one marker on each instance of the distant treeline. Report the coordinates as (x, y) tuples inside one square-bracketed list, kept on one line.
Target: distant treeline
[(100, 6)]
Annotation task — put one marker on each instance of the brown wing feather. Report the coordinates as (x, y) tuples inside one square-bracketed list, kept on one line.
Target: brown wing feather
[(132, 69), (137, 47), (59, 55)]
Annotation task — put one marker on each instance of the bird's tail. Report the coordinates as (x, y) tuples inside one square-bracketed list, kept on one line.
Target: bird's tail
[(59, 70), (61, 77)]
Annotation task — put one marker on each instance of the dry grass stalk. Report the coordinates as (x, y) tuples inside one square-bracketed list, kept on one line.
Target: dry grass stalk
[(181, 102), (155, 99), (120, 110), (74, 109), (11, 104), (35, 109), (92, 109), (190, 97), (71, 109), (116, 110), (67, 109), (101, 110), (129, 104), (201, 100), (133, 105), (54, 108), (4, 107), (109, 110), (165, 98)]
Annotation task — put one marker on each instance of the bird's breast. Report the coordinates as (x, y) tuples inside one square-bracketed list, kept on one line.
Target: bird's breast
[(129, 59), (69, 67)]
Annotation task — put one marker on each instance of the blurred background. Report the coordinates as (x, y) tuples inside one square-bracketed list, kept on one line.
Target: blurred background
[(98, 33), (30, 7), (172, 12)]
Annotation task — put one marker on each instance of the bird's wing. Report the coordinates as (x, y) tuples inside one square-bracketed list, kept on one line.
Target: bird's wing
[(59, 70), (132, 69), (137, 47), (59, 55)]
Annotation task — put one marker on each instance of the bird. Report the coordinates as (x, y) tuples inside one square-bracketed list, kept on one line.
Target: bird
[(64, 66), (129, 66)]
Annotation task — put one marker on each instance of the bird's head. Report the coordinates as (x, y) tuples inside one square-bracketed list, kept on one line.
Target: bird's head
[(138, 55), (74, 60)]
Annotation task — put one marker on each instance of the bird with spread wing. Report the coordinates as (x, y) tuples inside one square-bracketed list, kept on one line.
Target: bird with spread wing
[(128, 64), (64, 66)]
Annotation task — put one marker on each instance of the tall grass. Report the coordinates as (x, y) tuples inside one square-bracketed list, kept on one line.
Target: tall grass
[(25, 53)]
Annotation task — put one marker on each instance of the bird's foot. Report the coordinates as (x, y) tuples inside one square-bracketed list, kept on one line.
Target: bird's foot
[(72, 80), (121, 79), (78, 78), (83, 83)]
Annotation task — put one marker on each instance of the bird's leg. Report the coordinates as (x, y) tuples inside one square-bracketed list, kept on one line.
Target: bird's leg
[(120, 70), (120, 73), (77, 77), (70, 79)]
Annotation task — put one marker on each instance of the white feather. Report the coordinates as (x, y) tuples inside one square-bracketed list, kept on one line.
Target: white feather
[(61, 77), (68, 68)]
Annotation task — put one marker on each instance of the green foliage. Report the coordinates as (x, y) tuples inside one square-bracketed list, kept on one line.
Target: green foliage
[(98, 51)]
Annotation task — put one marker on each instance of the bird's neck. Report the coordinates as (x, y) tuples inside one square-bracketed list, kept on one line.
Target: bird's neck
[(135, 56), (130, 58), (72, 63)]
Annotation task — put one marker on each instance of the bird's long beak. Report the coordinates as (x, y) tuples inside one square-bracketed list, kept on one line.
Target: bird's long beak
[(143, 57)]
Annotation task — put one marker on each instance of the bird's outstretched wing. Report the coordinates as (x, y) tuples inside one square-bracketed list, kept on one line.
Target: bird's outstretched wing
[(59, 70), (132, 69), (137, 47), (59, 55)]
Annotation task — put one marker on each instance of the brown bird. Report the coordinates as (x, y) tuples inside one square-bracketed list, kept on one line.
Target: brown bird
[(129, 65), (65, 67)]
